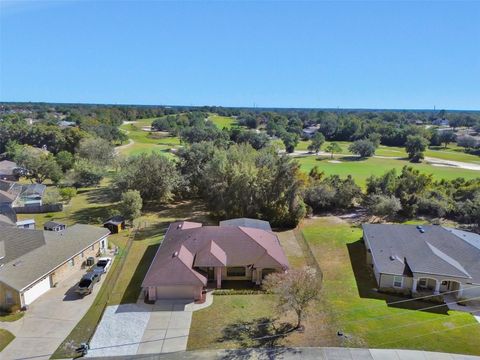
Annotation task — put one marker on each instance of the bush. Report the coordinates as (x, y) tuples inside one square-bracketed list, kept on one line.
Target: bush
[(51, 196), (383, 205), (364, 148), (67, 193)]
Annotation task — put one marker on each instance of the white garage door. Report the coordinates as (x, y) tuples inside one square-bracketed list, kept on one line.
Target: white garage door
[(36, 290), (177, 292)]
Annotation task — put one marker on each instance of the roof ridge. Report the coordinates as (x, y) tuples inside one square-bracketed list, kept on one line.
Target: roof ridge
[(448, 259)]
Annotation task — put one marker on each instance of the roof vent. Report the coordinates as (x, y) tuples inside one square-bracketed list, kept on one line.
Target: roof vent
[(420, 228), (392, 257), (179, 226), (175, 254)]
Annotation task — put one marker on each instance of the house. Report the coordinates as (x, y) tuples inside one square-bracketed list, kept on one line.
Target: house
[(191, 255), (33, 261), (6, 198), (22, 195), (308, 132), (54, 226), (8, 170), (424, 259), (441, 122)]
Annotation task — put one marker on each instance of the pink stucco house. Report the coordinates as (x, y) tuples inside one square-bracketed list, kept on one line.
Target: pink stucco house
[(192, 255)]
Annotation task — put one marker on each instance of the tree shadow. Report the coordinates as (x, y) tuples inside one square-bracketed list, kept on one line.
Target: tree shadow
[(263, 354), (100, 195), (367, 285), (258, 333), (133, 289), (93, 214)]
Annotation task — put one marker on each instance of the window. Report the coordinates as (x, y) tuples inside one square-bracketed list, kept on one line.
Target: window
[(422, 282), (71, 262), (8, 297), (398, 281), (93, 247), (236, 271), (81, 255)]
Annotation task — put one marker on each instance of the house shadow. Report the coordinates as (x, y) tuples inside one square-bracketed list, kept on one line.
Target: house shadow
[(262, 333), (134, 287), (92, 215), (368, 287)]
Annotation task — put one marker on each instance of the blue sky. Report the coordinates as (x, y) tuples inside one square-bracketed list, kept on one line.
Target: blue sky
[(280, 54)]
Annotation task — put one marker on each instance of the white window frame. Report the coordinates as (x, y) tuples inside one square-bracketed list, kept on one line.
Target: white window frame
[(8, 297), (395, 280), (71, 262), (423, 282)]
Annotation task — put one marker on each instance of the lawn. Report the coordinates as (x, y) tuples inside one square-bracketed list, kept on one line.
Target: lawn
[(147, 141), (362, 169), (222, 121), (11, 317), (362, 314), (5, 338)]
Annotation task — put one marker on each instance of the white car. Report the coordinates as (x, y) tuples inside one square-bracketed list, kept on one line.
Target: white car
[(103, 264)]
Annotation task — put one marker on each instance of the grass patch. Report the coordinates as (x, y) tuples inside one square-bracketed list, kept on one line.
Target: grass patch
[(361, 169), (223, 121), (352, 306), (12, 317), (6, 338), (145, 141)]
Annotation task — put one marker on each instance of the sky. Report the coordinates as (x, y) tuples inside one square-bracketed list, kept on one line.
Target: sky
[(387, 55)]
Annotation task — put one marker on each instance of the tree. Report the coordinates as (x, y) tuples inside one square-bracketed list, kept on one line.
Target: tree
[(40, 165), (65, 160), (67, 193), (332, 148), (415, 146), (364, 148), (383, 205), (317, 141), (153, 175), (290, 140), (295, 290), (96, 150), (375, 138), (446, 137), (51, 196), (131, 205), (86, 174)]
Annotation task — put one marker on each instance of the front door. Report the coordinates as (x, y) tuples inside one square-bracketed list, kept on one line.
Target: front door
[(211, 274)]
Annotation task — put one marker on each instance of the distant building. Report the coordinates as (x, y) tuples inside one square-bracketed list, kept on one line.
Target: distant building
[(308, 132), (54, 226), (26, 224), (115, 224), (441, 122)]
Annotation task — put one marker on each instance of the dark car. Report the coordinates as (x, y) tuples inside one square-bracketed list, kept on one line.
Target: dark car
[(85, 286)]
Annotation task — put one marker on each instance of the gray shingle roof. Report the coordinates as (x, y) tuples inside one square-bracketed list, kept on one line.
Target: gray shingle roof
[(57, 247), (435, 251), (247, 222)]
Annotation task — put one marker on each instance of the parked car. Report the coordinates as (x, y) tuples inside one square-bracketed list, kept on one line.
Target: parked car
[(103, 264), (85, 286)]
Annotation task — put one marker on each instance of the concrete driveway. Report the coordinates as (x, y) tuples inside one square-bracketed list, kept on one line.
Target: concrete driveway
[(48, 321), (137, 329)]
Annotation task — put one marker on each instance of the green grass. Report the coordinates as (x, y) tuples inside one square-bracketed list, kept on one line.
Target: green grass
[(147, 141), (12, 317), (362, 314), (6, 338), (222, 121), (362, 169)]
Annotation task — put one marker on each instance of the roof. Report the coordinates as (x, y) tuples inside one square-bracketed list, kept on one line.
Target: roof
[(6, 197), (116, 220), (247, 222), (26, 222), (52, 224), (6, 210), (429, 250), (212, 246), (5, 220), (31, 254), (6, 185), (7, 167)]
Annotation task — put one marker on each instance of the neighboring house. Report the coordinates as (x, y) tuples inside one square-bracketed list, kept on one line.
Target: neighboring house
[(192, 255), (424, 259), (6, 198), (33, 261), (54, 226), (308, 132), (7, 211), (441, 122), (7, 170), (22, 194), (115, 224)]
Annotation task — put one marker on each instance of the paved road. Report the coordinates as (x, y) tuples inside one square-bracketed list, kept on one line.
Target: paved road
[(48, 321), (313, 353)]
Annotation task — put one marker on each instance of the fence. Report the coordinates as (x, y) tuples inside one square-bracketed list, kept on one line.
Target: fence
[(307, 251), (36, 209)]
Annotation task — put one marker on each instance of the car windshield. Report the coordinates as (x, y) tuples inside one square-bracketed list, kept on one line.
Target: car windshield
[(85, 283), (102, 263)]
